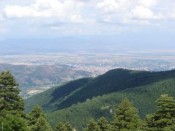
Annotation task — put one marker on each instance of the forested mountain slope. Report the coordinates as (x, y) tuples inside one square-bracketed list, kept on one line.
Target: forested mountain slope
[(87, 88), (79, 100)]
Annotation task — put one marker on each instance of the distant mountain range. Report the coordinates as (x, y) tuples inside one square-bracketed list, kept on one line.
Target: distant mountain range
[(52, 45), (97, 43), (79, 100), (31, 76)]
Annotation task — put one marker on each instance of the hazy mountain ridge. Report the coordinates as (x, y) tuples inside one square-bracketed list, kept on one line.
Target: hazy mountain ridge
[(87, 43), (47, 45), (34, 76)]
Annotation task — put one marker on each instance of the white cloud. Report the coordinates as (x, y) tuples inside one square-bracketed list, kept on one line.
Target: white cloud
[(141, 12), (95, 15), (145, 10), (76, 11), (77, 18), (67, 10), (125, 11), (19, 11), (108, 5), (114, 6)]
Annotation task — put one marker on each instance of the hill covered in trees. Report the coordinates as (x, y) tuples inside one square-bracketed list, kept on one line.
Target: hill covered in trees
[(79, 101), (124, 118)]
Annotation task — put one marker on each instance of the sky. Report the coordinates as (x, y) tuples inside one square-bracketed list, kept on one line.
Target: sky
[(54, 18)]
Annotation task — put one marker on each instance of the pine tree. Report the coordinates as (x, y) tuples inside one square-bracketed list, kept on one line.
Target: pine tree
[(92, 126), (13, 123), (164, 117), (126, 117), (9, 94), (64, 126), (37, 120), (103, 124), (68, 126), (41, 125), (12, 117), (60, 127)]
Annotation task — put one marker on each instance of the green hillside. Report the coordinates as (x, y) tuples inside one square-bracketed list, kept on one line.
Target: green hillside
[(143, 98), (80, 100), (51, 98)]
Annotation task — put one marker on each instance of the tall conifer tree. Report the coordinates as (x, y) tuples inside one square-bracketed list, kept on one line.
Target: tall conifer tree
[(164, 117), (126, 117), (9, 93), (103, 124), (92, 126), (37, 120), (11, 104)]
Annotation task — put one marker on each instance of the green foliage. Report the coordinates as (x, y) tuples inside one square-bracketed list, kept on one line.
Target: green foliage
[(11, 104), (51, 99), (9, 93), (60, 127), (93, 126), (96, 97), (13, 123), (164, 117), (104, 125), (126, 117), (41, 125), (80, 90), (35, 114), (64, 127), (143, 98), (37, 120)]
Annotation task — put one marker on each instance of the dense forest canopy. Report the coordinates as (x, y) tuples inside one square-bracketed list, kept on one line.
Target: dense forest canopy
[(125, 117)]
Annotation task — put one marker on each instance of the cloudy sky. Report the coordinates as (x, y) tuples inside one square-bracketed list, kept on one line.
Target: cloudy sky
[(51, 18)]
